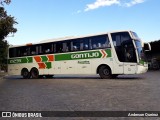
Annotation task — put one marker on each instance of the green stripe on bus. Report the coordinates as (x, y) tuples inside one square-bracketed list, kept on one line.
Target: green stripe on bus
[(48, 65), (81, 55), (44, 58), (108, 51), (30, 59), (20, 60), (66, 56)]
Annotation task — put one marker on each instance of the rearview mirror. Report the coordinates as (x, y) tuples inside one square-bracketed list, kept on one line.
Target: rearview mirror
[(147, 47)]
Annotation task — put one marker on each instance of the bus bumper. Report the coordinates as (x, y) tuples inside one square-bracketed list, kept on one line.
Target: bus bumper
[(141, 69)]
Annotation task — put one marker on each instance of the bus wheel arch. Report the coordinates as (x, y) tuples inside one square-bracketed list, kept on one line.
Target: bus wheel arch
[(34, 73), (104, 71), (25, 73)]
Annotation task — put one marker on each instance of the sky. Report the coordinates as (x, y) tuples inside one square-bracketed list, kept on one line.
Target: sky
[(47, 19)]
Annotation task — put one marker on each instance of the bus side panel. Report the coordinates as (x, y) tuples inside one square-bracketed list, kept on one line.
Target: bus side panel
[(55, 68), (13, 69), (83, 66), (117, 67), (68, 66)]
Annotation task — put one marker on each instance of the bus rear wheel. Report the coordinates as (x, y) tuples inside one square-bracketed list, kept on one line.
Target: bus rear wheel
[(35, 73), (25, 73), (105, 72)]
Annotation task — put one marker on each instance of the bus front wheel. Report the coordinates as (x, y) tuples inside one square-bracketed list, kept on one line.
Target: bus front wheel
[(25, 73), (105, 72), (35, 73)]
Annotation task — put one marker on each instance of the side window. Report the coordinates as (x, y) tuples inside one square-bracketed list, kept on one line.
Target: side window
[(124, 47), (12, 52), (99, 42), (18, 52), (33, 50), (84, 44), (129, 52), (75, 45), (119, 38), (59, 47), (24, 51), (67, 46), (47, 48), (40, 51)]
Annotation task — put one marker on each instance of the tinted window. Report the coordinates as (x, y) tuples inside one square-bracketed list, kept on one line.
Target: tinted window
[(59, 47), (12, 52), (25, 51), (124, 47), (138, 43), (33, 50), (99, 42), (67, 46), (119, 38), (81, 44), (46, 48), (135, 35), (84, 42), (128, 52), (75, 45)]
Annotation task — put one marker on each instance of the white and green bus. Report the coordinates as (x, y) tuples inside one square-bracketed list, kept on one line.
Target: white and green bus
[(108, 54)]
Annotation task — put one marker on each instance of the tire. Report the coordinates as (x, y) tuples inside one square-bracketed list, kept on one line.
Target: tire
[(105, 72), (25, 73), (35, 73)]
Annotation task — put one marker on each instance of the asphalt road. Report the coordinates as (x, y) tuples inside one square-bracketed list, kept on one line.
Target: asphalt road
[(83, 93)]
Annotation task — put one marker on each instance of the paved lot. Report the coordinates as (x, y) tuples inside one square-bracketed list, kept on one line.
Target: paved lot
[(83, 93)]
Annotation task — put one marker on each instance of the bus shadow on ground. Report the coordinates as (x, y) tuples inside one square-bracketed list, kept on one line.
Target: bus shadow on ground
[(129, 78), (120, 77)]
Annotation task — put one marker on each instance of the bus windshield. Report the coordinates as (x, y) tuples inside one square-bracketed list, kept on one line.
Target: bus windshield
[(140, 51), (135, 35)]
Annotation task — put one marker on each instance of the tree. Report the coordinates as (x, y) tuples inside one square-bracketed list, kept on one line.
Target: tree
[(5, 1), (7, 23), (3, 54)]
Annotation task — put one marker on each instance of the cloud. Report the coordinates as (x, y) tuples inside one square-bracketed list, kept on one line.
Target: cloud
[(79, 11), (102, 3), (134, 2)]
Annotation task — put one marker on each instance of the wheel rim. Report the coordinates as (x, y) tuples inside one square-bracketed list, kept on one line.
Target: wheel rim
[(106, 72), (35, 73), (25, 73)]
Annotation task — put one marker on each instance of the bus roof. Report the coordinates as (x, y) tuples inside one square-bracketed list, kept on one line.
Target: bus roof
[(67, 38)]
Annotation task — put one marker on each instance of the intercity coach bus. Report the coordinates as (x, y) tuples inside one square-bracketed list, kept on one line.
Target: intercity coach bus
[(109, 55)]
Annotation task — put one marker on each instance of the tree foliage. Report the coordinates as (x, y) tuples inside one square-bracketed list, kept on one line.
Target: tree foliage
[(5, 1), (7, 23), (155, 45), (3, 51)]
